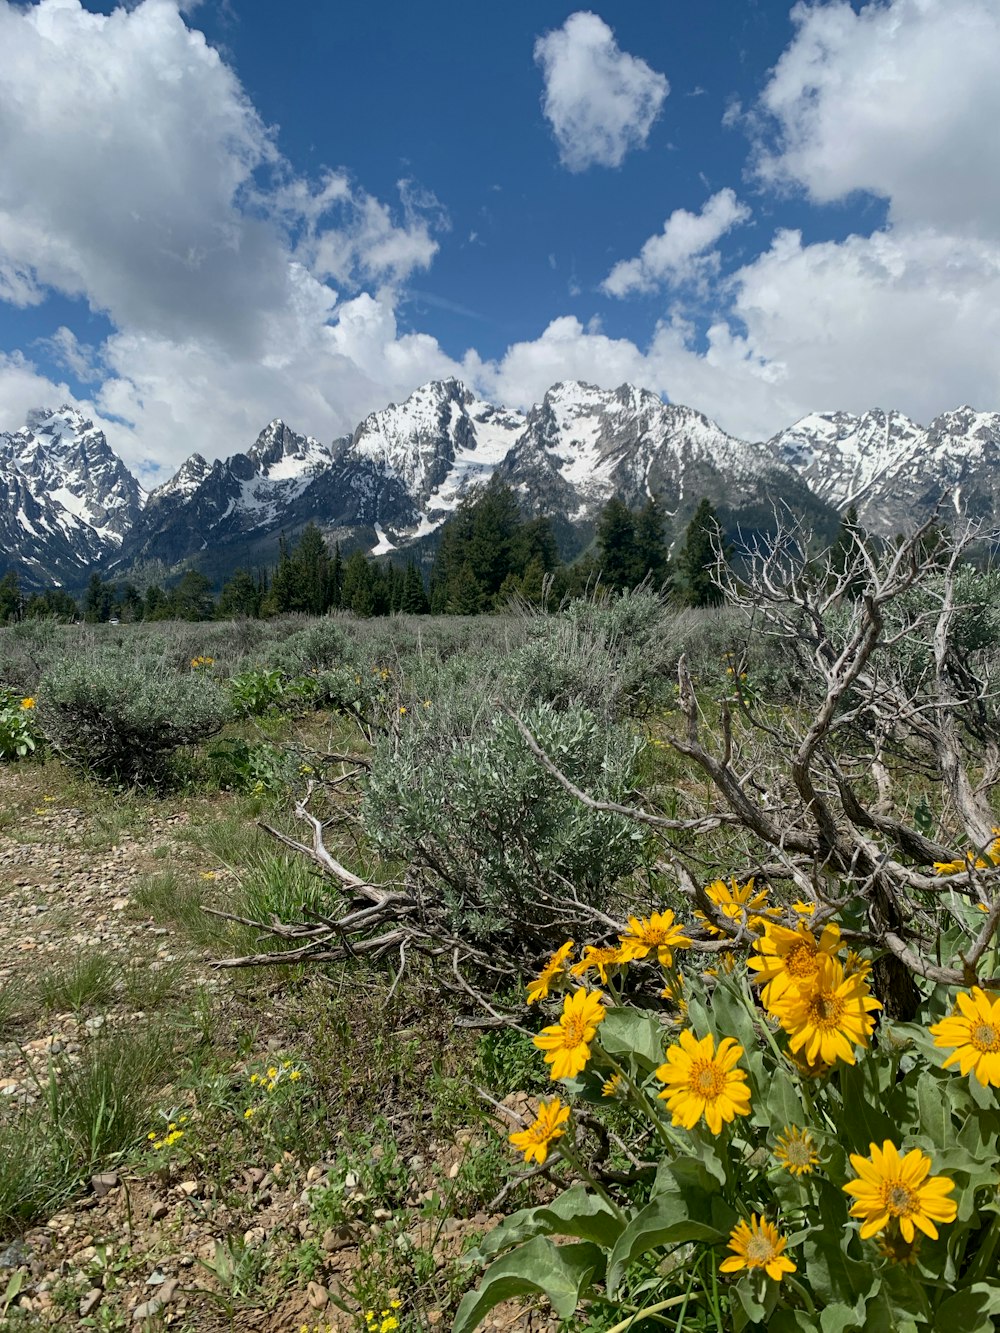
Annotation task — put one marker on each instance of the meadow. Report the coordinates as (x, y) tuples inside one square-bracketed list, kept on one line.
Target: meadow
[(606, 967)]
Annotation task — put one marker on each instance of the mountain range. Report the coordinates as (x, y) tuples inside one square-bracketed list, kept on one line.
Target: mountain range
[(69, 505)]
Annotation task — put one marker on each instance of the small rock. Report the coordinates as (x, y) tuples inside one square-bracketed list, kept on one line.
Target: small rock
[(169, 1290), (254, 1237), (316, 1295), (155, 1279), (16, 1254), (104, 1183), (158, 1211), (313, 1174), (90, 1302), (189, 1188), (146, 1310), (337, 1238)]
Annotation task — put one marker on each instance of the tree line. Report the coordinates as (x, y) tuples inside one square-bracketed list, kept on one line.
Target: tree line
[(488, 554)]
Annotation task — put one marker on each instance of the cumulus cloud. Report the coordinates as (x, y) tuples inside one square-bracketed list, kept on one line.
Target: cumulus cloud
[(137, 175), (901, 100), (600, 101), (679, 253)]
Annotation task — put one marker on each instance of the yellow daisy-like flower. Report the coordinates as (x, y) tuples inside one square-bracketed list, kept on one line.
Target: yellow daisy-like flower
[(788, 959), (701, 1081), (739, 903), (28, 703), (612, 1087), (249, 1113), (758, 1244), (549, 1125), (658, 931), (295, 1075), (796, 1151), (898, 1189), (974, 1032), (826, 1021), (567, 1043), (554, 970), (803, 909), (607, 961)]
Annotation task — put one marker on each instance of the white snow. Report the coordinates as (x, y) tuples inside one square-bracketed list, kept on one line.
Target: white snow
[(384, 544)]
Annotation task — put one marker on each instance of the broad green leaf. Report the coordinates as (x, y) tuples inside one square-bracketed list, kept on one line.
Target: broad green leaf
[(833, 1276), (782, 1101), (560, 1272), (748, 1304), (796, 1321), (577, 1212), (668, 1220), (863, 1122), (626, 1031), (934, 1109), (837, 1317), (969, 1310)]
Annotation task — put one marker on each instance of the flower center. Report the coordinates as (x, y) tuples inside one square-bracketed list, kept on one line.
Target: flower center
[(799, 1152), (985, 1037), (826, 1009), (900, 1199), (801, 960), (760, 1251), (573, 1030), (707, 1079)]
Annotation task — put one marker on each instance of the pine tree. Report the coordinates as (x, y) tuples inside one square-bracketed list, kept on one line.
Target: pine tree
[(97, 600), (240, 596), (466, 596), (697, 558), (191, 597), (651, 558), (616, 545), (414, 599), (156, 603), (358, 595), (11, 598)]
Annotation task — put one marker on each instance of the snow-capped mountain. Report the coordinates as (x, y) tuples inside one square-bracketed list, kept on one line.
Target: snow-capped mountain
[(68, 504), (892, 470), (66, 498)]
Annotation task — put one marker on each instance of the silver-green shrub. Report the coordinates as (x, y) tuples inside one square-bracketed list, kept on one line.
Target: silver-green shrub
[(487, 830), (120, 716)]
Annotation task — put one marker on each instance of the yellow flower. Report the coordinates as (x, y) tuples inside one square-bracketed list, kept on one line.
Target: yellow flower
[(701, 1081), (973, 1029), (28, 703), (389, 1324), (788, 959), (272, 1072), (737, 902), (803, 909), (659, 931), (254, 1079), (796, 1151), (402, 711), (549, 1125), (249, 1113), (607, 961), (567, 1043), (826, 1021), (891, 1188), (208, 874), (295, 1075), (553, 970), (757, 1244), (612, 1086)]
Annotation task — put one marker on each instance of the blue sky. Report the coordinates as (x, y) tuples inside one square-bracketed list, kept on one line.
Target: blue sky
[(215, 213)]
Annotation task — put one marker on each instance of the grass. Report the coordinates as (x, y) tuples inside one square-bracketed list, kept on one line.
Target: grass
[(84, 981)]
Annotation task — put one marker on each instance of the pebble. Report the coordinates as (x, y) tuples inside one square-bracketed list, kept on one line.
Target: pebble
[(316, 1295), (90, 1302)]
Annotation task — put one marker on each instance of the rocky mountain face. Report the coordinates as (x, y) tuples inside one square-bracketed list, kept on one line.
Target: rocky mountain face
[(67, 500), (68, 504)]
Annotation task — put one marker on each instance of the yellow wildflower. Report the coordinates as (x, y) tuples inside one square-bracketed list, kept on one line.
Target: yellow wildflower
[(789, 959), (757, 1244), (607, 961), (796, 1151), (738, 903), (553, 970), (27, 703), (658, 931), (549, 1125), (567, 1043), (973, 1030), (701, 1081), (829, 1019), (897, 1189)]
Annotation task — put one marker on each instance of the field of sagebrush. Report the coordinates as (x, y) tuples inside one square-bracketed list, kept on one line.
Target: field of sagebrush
[(610, 968)]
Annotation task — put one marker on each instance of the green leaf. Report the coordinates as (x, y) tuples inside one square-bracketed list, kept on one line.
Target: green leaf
[(832, 1275), (627, 1031), (576, 1212), (837, 1317), (969, 1310), (863, 1122), (933, 1109), (669, 1219), (782, 1102), (560, 1272)]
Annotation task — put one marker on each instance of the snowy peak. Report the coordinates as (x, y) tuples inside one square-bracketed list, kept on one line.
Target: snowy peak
[(185, 481), (279, 454)]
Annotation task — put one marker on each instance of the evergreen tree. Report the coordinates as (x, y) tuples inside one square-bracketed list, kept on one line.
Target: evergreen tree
[(358, 593), (240, 596), (97, 600), (53, 603), (414, 599), (697, 558), (336, 590), (156, 603), (191, 597), (311, 573), (651, 557), (616, 545), (129, 605), (466, 596), (11, 598)]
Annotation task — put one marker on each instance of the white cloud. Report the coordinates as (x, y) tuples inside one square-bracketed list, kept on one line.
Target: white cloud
[(902, 100), (600, 101), (678, 253), (137, 175)]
